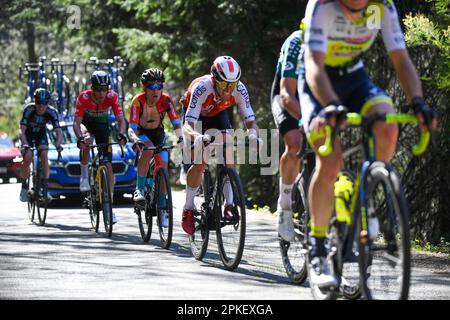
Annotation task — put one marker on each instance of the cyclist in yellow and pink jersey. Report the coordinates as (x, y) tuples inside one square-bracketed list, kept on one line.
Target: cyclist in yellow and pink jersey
[(337, 33)]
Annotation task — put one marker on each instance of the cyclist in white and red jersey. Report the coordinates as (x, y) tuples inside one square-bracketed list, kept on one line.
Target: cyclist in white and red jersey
[(92, 119), (207, 100), (337, 32)]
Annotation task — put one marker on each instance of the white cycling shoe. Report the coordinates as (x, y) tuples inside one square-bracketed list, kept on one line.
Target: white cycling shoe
[(320, 273), (285, 224), (84, 185)]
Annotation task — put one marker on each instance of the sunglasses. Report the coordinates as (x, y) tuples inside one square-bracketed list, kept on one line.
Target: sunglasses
[(223, 84), (42, 103), (99, 89), (155, 86)]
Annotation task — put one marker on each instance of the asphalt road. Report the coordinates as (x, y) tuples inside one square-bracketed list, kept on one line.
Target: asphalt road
[(66, 259)]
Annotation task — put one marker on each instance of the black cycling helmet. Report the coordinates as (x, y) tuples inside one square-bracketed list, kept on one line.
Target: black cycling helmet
[(152, 74), (42, 95), (100, 78)]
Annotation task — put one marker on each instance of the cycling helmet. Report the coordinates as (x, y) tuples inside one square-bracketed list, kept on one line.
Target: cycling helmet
[(152, 74), (225, 68), (100, 78), (41, 95)]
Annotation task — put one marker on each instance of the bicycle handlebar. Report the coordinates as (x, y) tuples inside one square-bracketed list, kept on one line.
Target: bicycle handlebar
[(157, 149), (390, 118), (101, 145)]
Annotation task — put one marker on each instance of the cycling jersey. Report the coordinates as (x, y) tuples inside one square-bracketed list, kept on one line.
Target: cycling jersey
[(288, 66), (328, 31), (201, 99), (35, 123), (164, 106), (87, 109)]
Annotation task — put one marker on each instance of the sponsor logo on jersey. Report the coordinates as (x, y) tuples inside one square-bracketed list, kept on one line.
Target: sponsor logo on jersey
[(196, 95)]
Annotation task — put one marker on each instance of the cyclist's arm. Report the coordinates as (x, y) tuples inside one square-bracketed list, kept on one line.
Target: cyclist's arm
[(406, 73), (317, 78), (59, 136), (23, 136), (252, 128), (288, 90), (121, 123), (132, 132), (77, 126)]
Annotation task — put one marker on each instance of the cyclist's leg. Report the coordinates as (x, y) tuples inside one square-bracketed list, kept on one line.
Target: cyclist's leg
[(144, 162), (43, 147), (84, 161), (368, 98)]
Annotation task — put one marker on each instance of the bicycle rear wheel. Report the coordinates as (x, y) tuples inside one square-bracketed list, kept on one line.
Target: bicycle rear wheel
[(202, 218), (294, 260), (385, 261), (164, 214), (230, 232), (106, 200)]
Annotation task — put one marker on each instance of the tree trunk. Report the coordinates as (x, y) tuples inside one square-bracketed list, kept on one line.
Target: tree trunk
[(30, 39)]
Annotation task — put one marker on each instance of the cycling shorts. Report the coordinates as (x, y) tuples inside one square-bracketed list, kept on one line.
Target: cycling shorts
[(157, 137), (354, 89), (102, 136)]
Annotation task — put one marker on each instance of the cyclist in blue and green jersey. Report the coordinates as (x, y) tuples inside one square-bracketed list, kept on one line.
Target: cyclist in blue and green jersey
[(286, 112), (337, 33)]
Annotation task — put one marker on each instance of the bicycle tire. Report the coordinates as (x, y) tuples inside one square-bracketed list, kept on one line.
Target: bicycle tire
[(94, 212), (162, 182), (106, 201), (202, 216), (393, 215), (42, 202), (230, 255), (30, 203), (145, 217), (291, 252), (345, 269)]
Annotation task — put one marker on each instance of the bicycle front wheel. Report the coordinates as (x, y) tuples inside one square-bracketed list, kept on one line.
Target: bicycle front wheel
[(385, 259), (31, 203), (106, 200), (42, 202), (163, 200), (230, 228)]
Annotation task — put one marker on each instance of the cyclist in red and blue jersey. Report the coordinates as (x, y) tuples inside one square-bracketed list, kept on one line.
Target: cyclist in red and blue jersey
[(92, 119), (337, 33), (147, 113), (33, 133), (206, 101)]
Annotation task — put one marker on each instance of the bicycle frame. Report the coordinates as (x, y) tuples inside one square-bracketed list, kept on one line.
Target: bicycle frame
[(57, 69)]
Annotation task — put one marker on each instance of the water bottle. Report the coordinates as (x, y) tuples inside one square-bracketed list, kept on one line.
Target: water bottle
[(343, 191)]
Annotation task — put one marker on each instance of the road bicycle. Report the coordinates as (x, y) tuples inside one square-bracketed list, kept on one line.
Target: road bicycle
[(372, 227), (210, 202), (60, 85), (37, 188), (100, 197), (158, 200)]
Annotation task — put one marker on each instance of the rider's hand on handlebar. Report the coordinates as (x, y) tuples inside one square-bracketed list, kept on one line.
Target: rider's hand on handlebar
[(331, 114), (180, 142), (138, 146), (425, 114), (202, 139), (121, 138)]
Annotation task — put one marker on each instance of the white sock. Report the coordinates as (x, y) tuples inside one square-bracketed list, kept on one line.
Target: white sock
[(285, 198), (190, 195), (84, 170), (228, 192)]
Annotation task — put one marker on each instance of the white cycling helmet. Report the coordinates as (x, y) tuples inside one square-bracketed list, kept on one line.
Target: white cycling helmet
[(225, 68)]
